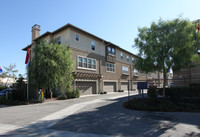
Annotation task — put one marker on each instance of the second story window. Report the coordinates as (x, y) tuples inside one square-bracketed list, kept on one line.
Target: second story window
[(127, 58), (110, 67), (93, 45), (124, 70), (121, 55), (86, 63), (135, 72), (77, 37), (58, 39)]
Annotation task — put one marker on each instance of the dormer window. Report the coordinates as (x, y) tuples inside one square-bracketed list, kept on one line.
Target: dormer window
[(111, 51)]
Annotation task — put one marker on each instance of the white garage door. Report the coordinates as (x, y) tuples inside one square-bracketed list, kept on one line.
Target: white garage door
[(124, 86), (134, 85), (86, 87), (109, 87)]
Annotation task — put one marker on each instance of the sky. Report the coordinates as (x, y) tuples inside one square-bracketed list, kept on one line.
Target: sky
[(116, 21)]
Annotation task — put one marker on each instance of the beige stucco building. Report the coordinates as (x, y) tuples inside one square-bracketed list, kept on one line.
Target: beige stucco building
[(99, 65)]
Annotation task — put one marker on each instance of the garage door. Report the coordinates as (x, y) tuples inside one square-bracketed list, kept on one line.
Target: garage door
[(86, 87), (109, 87), (124, 86), (134, 85)]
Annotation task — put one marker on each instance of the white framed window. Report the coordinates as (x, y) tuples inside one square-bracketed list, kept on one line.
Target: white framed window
[(80, 61), (58, 39), (93, 45), (122, 55), (110, 67), (124, 70), (135, 72), (127, 58), (77, 37), (86, 63), (132, 59)]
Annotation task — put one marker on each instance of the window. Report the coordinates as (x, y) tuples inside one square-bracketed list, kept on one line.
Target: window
[(149, 74), (110, 67), (86, 63), (111, 51), (127, 58), (80, 61), (77, 37), (121, 55), (132, 59), (143, 74), (124, 70), (58, 39), (93, 45), (89, 63), (135, 72), (94, 64)]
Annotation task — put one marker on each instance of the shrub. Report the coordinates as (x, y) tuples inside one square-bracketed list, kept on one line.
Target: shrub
[(152, 92), (62, 97), (120, 90), (75, 93), (103, 92), (3, 87)]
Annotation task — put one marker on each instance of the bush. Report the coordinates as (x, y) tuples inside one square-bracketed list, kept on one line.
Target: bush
[(179, 92), (75, 93), (120, 90), (103, 92), (62, 97), (166, 105), (152, 92), (3, 87)]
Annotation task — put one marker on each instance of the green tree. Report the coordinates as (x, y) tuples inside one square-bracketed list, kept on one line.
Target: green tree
[(51, 66), (166, 45)]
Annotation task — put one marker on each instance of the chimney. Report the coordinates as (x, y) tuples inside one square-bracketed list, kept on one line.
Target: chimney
[(35, 32)]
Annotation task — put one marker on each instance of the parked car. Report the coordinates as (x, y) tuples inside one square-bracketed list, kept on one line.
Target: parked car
[(3, 92)]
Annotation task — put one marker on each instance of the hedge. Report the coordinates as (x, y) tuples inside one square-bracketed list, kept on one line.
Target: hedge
[(178, 92)]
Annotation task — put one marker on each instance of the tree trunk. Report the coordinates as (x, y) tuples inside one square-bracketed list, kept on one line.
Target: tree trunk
[(164, 81)]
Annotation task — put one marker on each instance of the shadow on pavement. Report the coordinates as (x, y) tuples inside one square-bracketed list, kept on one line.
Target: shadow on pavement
[(113, 119)]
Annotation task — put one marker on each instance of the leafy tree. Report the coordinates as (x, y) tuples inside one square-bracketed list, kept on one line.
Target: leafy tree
[(166, 45), (51, 66)]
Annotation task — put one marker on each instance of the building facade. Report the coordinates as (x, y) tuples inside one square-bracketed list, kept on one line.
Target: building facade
[(99, 65)]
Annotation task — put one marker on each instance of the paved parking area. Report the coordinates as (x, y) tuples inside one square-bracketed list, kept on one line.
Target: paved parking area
[(98, 115)]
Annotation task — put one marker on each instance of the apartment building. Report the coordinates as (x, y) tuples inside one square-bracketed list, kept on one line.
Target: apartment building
[(99, 64)]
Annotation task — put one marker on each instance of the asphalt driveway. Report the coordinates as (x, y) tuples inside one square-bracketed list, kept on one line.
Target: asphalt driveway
[(99, 115)]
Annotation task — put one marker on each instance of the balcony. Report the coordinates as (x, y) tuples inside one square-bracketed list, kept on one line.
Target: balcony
[(111, 58)]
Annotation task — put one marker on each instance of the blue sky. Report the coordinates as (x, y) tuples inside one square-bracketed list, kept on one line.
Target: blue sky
[(116, 21)]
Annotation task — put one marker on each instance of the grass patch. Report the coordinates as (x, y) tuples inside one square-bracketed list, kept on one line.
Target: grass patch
[(164, 105)]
